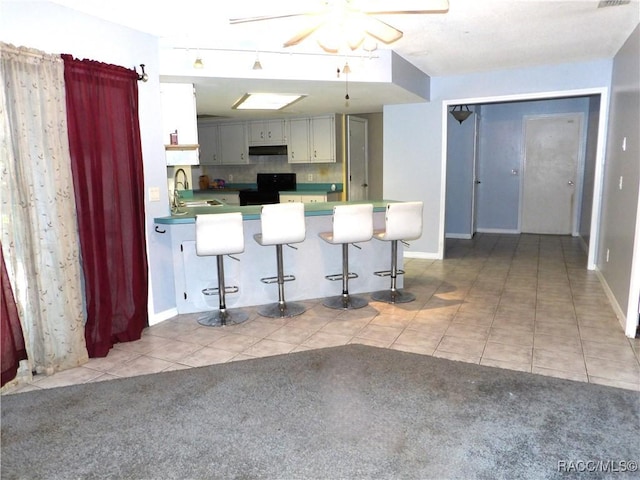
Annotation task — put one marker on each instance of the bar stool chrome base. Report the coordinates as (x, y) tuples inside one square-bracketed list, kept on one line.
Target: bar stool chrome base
[(285, 310), (221, 318), (345, 302), (391, 296)]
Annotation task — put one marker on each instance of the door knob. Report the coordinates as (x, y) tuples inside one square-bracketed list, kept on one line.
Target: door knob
[(570, 182)]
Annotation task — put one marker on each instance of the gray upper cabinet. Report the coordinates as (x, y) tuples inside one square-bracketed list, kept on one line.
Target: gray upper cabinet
[(267, 132), (323, 139), (298, 147), (209, 141), (312, 139), (233, 148)]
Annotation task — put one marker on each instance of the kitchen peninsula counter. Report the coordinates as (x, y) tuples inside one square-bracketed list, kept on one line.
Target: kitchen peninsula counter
[(252, 212), (309, 262)]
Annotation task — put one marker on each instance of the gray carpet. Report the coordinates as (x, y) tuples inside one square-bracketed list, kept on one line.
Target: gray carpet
[(352, 412)]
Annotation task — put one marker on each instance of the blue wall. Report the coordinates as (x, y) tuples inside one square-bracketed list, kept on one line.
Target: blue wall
[(500, 150)]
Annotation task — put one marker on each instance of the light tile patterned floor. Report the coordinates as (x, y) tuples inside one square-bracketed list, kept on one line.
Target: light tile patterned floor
[(520, 302)]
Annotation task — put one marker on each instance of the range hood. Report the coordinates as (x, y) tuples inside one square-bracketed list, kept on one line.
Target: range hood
[(268, 150)]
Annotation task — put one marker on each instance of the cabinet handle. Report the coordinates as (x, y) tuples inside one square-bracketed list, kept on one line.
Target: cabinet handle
[(160, 231)]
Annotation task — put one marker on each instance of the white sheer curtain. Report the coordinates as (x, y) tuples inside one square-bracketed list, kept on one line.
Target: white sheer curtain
[(39, 227)]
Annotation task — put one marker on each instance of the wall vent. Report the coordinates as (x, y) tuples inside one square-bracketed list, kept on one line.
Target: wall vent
[(612, 3)]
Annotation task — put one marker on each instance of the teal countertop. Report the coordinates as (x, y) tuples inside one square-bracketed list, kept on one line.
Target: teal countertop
[(252, 212)]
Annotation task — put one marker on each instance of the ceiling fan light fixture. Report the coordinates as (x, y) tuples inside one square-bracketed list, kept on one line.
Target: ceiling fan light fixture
[(460, 115)]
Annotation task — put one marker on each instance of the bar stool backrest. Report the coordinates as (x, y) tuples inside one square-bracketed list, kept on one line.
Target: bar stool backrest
[(403, 221), (352, 223), (282, 223), (219, 234)]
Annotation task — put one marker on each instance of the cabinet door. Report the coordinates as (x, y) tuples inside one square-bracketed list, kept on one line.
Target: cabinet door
[(256, 132), (228, 198), (208, 139), (323, 148), (276, 132), (314, 198), (267, 132), (298, 140), (287, 197), (233, 144)]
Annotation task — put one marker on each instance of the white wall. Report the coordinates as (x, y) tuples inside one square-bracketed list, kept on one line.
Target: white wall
[(620, 222), (56, 29), (412, 141), (588, 179), (414, 152)]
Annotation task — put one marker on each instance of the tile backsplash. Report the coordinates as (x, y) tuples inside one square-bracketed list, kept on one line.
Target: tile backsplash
[(319, 172)]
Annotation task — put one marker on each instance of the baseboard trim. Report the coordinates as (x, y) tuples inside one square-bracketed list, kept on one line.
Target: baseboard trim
[(421, 255), (622, 318), (162, 316), (498, 230), (462, 236)]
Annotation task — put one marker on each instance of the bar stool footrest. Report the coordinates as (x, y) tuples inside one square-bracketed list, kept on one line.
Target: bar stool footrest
[(286, 278), (338, 276), (216, 290), (386, 273)]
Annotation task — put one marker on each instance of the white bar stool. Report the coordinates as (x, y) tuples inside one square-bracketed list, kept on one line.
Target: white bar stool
[(281, 224), (403, 221), (351, 223), (220, 234)]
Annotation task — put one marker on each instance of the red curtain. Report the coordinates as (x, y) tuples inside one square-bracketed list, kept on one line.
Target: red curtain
[(11, 339), (106, 160)]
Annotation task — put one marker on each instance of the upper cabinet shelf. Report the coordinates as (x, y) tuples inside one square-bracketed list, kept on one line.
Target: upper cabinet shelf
[(182, 147)]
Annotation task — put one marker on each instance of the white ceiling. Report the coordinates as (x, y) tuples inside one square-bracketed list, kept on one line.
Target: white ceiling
[(474, 36)]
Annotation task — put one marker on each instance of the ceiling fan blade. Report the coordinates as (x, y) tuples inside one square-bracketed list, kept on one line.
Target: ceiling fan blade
[(382, 31), (434, 6), (234, 21), (304, 33)]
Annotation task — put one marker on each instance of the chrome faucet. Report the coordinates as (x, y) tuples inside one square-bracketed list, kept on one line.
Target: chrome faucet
[(185, 184)]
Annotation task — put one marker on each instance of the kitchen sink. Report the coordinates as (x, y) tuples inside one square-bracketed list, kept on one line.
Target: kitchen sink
[(201, 203)]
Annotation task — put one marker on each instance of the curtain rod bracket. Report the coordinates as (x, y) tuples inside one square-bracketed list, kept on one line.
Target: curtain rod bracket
[(142, 76)]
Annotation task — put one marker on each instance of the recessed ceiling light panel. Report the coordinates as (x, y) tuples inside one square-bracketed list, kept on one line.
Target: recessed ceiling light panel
[(266, 101)]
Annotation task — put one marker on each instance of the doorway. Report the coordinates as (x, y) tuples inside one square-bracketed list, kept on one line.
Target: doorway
[(357, 171), (552, 148)]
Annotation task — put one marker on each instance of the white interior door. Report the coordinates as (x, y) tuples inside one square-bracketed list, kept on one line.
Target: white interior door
[(358, 174), (549, 190)]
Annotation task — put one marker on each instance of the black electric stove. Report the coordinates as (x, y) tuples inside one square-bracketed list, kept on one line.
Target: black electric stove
[(269, 186)]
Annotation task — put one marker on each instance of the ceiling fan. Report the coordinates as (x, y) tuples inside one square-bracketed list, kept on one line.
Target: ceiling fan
[(352, 22)]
